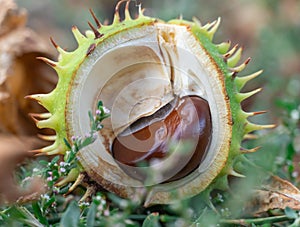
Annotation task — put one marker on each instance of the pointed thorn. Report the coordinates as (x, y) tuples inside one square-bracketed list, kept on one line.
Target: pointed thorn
[(241, 67), (117, 18), (48, 61), (41, 154), (54, 152), (253, 75), (72, 176), (241, 81), (234, 173), (269, 126), (45, 123), (247, 61), (47, 137), (40, 115), (78, 35), (140, 10), (96, 32), (245, 151), (98, 23), (127, 13), (250, 127), (127, 4), (231, 52), (207, 26), (32, 97), (242, 96), (250, 137), (37, 151), (77, 182), (90, 50), (214, 23), (117, 8), (90, 191), (39, 98), (235, 58), (33, 117), (197, 21), (224, 47), (233, 75), (57, 47), (256, 113), (52, 149), (54, 43), (227, 55), (214, 27)]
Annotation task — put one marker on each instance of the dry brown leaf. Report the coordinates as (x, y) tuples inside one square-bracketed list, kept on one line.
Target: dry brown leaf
[(21, 73), (13, 151), (276, 193), (10, 16)]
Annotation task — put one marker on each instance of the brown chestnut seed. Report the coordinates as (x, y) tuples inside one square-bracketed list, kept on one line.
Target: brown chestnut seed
[(188, 124)]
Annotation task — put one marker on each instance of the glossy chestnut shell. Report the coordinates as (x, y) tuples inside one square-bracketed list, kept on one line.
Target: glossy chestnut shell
[(188, 123)]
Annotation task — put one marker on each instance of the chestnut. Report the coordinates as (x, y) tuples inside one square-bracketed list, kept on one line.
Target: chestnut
[(189, 124)]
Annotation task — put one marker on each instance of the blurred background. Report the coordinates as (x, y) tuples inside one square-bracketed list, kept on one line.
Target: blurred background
[(269, 31)]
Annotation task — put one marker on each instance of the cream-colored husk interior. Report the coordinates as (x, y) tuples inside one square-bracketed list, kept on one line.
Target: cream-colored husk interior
[(135, 73)]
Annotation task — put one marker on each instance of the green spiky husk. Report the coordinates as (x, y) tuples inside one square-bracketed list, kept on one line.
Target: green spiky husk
[(69, 62)]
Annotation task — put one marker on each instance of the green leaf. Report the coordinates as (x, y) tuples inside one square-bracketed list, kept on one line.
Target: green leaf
[(43, 162), (90, 218), (67, 144), (71, 156), (38, 213), (100, 104), (152, 220), (49, 203), (290, 213), (290, 151), (104, 116), (87, 141), (71, 216), (92, 121), (64, 189), (55, 174), (55, 160), (22, 215)]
